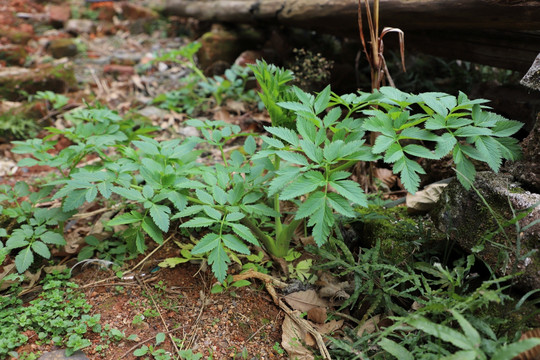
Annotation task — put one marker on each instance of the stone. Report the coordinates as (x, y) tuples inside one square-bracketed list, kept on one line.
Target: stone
[(464, 217), (59, 14), (79, 26), (218, 45), (61, 355), (142, 26), (527, 169), (13, 55), (60, 48), (15, 82), (532, 77), (221, 44), (131, 11), (20, 35)]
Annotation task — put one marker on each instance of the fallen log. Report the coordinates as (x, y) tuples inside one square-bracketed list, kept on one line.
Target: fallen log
[(340, 16), (500, 33)]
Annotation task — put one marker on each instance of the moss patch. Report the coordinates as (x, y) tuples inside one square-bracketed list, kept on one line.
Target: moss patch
[(393, 227), (16, 83)]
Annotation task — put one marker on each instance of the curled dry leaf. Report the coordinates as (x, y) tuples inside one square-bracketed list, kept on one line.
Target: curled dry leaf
[(305, 300), (331, 288), (386, 176), (423, 201), (329, 327), (293, 338)]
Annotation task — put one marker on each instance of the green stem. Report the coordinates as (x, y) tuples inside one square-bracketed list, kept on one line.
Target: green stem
[(343, 166), (268, 242), (276, 200)]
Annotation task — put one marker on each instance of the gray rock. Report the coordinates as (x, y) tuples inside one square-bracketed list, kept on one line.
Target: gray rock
[(463, 215), (61, 355), (532, 77), (527, 169)]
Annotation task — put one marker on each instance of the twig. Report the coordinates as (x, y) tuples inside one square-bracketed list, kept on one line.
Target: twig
[(305, 325), (147, 256), (95, 212)]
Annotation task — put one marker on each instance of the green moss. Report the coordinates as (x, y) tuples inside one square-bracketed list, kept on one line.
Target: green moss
[(16, 86), (20, 122), (395, 229), (516, 190)]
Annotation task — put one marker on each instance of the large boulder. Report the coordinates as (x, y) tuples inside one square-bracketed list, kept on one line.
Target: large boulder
[(532, 77), (17, 82), (464, 217), (527, 170)]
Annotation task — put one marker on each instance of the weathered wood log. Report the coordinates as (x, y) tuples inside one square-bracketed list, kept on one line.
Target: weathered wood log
[(341, 15), (489, 32)]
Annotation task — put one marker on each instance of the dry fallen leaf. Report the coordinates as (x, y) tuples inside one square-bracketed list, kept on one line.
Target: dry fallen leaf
[(331, 288), (317, 315), (238, 107), (424, 200), (305, 300), (292, 339), (386, 176), (329, 327), (369, 326), (4, 284)]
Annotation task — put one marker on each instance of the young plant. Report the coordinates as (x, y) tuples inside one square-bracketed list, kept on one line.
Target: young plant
[(274, 89), (157, 354), (240, 200)]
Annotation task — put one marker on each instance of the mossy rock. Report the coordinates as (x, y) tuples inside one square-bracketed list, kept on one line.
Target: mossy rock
[(225, 45), (16, 83), (64, 47), (21, 122), (13, 54), (15, 35), (393, 227), (463, 215)]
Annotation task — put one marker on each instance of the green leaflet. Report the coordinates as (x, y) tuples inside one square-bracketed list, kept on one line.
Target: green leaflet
[(284, 134), (24, 259), (395, 349)]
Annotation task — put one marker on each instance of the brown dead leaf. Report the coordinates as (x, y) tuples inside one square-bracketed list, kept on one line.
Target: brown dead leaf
[(32, 278), (4, 284), (424, 200), (238, 107), (331, 288), (293, 339), (223, 115), (136, 79), (317, 315), (305, 300), (98, 226), (386, 176), (329, 327), (369, 326)]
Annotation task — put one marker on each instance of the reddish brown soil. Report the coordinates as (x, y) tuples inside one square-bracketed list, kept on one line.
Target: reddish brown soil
[(221, 325)]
